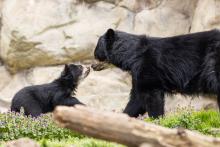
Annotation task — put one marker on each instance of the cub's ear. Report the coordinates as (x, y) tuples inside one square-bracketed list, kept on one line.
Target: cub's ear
[(110, 34), (65, 70)]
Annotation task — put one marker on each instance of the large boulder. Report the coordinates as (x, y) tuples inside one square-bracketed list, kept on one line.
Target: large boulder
[(39, 32), (165, 18), (206, 16)]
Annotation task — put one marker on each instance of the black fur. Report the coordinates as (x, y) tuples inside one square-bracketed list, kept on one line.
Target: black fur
[(188, 64), (44, 98)]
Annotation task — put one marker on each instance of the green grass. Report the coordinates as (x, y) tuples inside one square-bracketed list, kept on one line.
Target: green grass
[(43, 130), (16, 125), (48, 134), (205, 121), (85, 142)]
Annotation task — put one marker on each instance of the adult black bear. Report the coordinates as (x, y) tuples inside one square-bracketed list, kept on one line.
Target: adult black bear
[(44, 98), (188, 64)]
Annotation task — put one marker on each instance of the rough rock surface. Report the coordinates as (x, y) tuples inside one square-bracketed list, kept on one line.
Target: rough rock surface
[(44, 33), (206, 15), (51, 32), (165, 18), (108, 89), (40, 32)]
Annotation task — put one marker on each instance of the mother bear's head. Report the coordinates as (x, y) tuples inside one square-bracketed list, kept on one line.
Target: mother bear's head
[(118, 48)]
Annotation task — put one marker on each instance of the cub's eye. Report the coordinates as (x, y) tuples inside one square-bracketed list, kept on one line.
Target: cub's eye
[(80, 67)]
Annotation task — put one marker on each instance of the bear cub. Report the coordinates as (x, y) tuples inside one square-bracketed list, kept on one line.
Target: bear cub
[(44, 98)]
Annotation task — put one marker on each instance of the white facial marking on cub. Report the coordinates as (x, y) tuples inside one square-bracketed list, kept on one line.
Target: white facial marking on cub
[(85, 72)]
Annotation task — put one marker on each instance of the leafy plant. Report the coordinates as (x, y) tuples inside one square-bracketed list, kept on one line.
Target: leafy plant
[(204, 121), (48, 134), (16, 125), (44, 130)]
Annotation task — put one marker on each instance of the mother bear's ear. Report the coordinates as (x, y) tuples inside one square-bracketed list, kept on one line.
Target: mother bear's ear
[(110, 34), (109, 38)]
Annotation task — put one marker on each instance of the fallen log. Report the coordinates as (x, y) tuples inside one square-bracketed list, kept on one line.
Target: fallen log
[(128, 131)]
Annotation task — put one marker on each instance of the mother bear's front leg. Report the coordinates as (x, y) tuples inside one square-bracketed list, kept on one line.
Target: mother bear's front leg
[(154, 101), (143, 100), (135, 106)]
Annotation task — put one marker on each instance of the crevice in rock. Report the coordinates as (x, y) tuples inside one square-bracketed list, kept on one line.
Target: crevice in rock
[(133, 21), (192, 16), (128, 9), (158, 3), (190, 27), (149, 6), (56, 27), (117, 23), (115, 2), (1, 62), (90, 3), (66, 36), (135, 12)]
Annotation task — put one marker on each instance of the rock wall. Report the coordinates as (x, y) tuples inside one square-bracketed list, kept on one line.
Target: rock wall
[(39, 33)]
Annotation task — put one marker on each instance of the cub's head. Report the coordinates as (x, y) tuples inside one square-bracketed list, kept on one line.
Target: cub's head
[(75, 73)]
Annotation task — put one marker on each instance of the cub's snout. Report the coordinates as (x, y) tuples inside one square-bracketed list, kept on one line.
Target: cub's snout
[(85, 72)]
